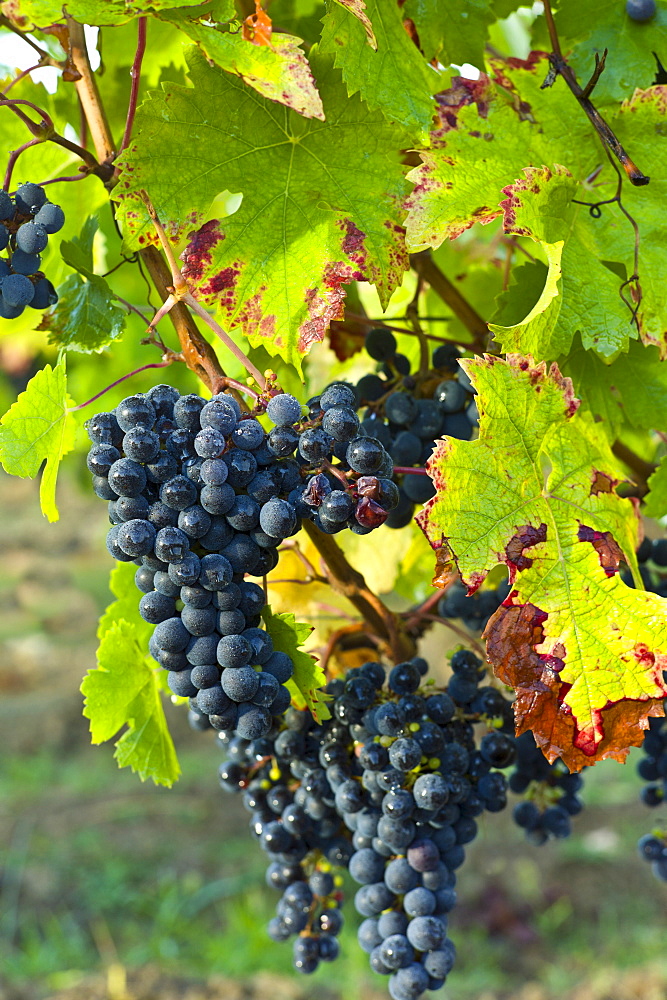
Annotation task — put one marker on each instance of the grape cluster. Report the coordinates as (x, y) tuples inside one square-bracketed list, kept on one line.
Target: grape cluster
[(406, 413), (550, 792), (287, 791), (195, 499), (652, 769), (26, 221), (390, 787), (349, 472), (200, 496)]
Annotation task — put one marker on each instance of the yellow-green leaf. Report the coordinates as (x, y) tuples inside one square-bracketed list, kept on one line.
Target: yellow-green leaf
[(38, 429), (288, 636), (123, 690)]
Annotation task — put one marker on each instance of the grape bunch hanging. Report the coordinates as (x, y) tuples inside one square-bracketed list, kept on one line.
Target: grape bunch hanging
[(26, 222), (200, 496), (390, 788)]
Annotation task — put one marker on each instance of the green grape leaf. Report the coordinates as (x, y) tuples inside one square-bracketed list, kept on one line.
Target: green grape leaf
[(278, 71), (655, 502), (38, 429), (482, 147), (534, 332), (536, 491), (641, 125), (396, 78), (482, 166), (123, 690), (85, 318), (455, 32), (307, 225), (610, 391), (126, 605), (98, 12), (631, 45), (78, 252), (306, 683), (542, 205)]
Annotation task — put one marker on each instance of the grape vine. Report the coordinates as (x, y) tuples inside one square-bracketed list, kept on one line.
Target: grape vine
[(416, 384)]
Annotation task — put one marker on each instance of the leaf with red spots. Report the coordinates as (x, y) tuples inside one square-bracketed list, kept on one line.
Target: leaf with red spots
[(321, 201), (277, 69), (523, 155), (510, 125), (584, 652)]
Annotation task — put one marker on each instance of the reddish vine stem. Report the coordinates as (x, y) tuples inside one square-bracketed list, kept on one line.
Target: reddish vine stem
[(13, 157), (13, 104), (560, 67), (57, 180), (128, 305), (427, 269), (135, 73), (351, 584), (155, 364), (233, 383), (410, 471), (20, 76), (44, 131)]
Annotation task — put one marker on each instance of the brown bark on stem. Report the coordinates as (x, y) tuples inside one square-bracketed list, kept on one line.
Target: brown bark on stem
[(450, 295), (198, 353), (89, 95), (350, 583)]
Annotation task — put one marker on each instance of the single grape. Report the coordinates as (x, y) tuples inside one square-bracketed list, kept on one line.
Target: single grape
[(17, 291), (45, 294), (283, 409), (6, 206), (31, 238), (380, 344), (29, 198), (50, 217), (641, 10)]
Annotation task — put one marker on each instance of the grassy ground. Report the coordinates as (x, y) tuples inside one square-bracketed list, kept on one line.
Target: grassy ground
[(120, 891)]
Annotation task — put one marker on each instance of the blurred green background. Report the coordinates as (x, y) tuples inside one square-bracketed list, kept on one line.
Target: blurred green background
[(117, 890)]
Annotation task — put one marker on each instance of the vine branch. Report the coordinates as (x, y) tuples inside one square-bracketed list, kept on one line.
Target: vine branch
[(429, 271), (351, 584), (640, 467), (198, 353), (44, 131), (560, 67), (135, 73), (89, 95)]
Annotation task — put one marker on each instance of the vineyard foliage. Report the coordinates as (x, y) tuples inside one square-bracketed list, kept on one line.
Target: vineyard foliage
[(319, 168)]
